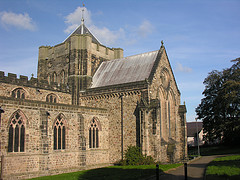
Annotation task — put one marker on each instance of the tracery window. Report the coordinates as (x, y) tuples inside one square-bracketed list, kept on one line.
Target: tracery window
[(52, 98), (18, 93), (94, 133), (59, 133), (16, 133)]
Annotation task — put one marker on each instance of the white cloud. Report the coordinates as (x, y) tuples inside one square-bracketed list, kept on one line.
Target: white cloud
[(105, 35), (145, 28), (74, 19), (181, 68), (21, 21)]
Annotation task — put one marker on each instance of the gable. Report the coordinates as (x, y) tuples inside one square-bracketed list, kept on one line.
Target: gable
[(162, 78), (126, 70)]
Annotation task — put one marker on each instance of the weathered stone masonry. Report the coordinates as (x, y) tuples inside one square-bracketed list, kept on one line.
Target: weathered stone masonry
[(86, 106), (39, 157)]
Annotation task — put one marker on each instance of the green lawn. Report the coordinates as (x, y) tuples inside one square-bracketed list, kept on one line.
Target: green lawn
[(227, 167), (213, 150), (112, 172)]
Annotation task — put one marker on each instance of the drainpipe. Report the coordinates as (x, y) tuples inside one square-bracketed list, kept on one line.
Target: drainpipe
[(121, 97), (2, 157)]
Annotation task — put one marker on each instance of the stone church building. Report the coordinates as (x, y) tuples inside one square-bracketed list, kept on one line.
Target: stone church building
[(86, 106)]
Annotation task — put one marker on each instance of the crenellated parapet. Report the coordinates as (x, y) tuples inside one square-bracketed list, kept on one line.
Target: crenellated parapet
[(32, 82)]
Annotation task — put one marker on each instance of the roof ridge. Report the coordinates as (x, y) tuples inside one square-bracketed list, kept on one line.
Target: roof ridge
[(82, 32), (131, 56)]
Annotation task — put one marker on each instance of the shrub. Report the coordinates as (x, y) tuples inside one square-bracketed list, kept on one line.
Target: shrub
[(148, 160), (134, 156)]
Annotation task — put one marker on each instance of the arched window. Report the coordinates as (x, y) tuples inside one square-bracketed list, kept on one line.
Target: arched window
[(54, 77), (59, 133), (49, 78), (94, 133), (63, 77), (16, 133), (52, 98), (18, 93), (169, 119), (154, 121)]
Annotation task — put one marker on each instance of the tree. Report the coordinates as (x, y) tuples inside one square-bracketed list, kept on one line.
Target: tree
[(220, 108)]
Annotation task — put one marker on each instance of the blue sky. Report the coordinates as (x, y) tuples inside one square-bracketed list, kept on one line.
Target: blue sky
[(199, 36)]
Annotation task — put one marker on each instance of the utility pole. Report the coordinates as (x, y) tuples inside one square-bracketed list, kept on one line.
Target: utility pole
[(197, 138)]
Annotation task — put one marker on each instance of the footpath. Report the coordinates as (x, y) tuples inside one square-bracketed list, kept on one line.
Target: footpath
[(195, 170)]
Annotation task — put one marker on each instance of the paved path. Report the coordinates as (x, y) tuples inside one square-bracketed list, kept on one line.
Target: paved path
[(195, 170)]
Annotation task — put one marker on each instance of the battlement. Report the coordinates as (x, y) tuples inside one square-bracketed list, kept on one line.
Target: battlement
[(33, 82)]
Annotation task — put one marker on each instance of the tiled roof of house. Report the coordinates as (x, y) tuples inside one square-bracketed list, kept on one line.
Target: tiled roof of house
[(192, 128), (126, 70)]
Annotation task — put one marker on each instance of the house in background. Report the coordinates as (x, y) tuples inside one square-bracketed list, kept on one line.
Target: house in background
[(194, 128)]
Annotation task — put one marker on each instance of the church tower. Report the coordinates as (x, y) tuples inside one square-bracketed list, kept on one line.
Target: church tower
[(73, 62)]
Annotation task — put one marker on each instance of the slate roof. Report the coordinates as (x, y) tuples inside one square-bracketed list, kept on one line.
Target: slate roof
[(82, 29), (192, 129), (125, 70)]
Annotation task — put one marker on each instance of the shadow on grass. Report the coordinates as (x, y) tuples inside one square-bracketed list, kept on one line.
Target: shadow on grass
[(231, 163), (223, 177), (214, 150), (117, 173)]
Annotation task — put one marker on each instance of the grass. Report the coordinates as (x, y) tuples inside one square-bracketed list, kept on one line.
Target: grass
[(224, 168), (213, 150), (112, 172)]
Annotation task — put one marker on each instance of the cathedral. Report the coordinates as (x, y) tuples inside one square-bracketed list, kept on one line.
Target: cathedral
[(86, 106)]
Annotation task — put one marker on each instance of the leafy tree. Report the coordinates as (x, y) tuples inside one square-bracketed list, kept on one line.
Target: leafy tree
[(220, 108)]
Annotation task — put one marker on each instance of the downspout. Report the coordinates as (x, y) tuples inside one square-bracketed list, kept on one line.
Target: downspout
[(2, 156), (121, 97)]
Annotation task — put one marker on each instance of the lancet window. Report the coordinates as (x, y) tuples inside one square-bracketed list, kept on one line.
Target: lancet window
[(16, 132), (63, 77), (59, 133), (94, 133), (49, 78), (54, 77), (154, 121)]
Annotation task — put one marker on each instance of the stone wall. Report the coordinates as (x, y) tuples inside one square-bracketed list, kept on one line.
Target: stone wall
[(159, 132), (163, 86), (75, 57), (127, 112), (33, 82), (34, 93), (39, 157)]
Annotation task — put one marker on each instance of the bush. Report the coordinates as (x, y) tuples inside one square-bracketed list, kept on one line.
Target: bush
[(148, 160), (134, 156)]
